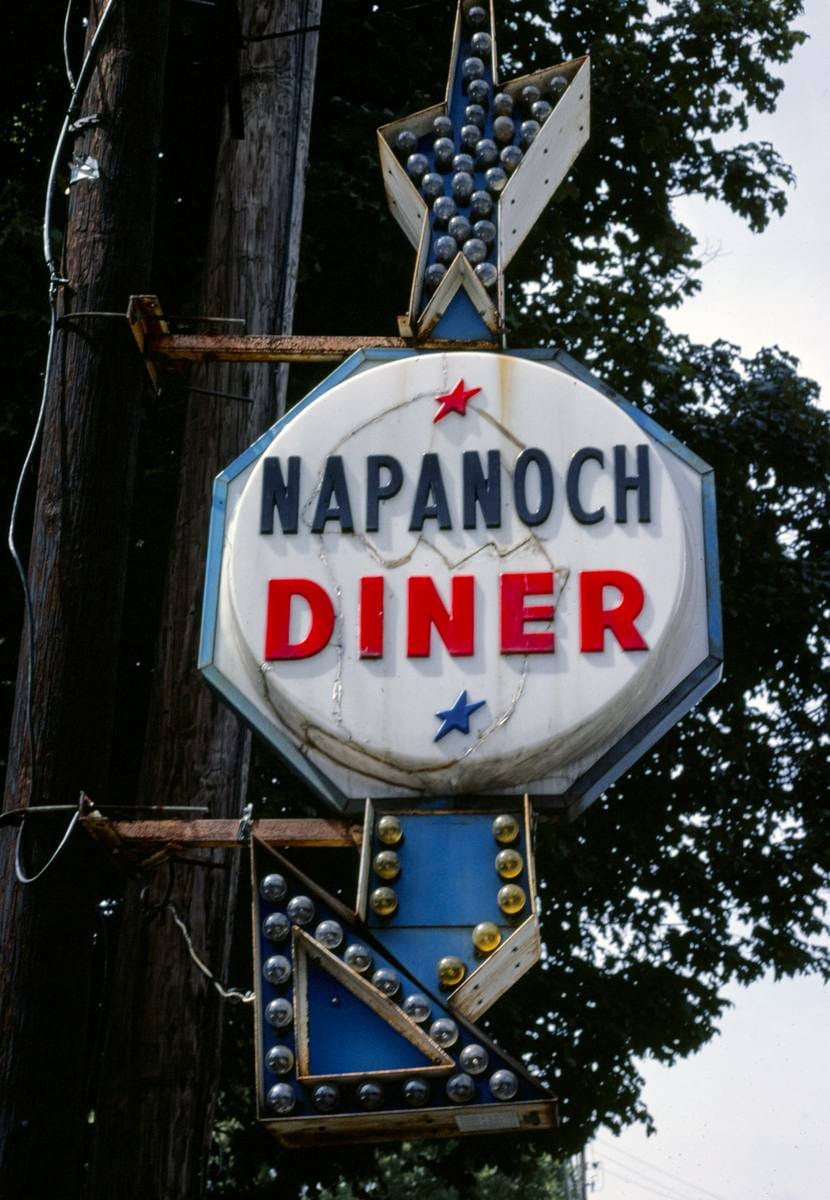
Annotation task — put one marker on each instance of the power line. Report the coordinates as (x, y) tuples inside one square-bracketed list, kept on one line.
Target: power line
[(660, 1170), (656, 1191)]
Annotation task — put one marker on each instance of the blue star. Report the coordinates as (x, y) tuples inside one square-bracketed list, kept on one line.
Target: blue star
[(457, 717)]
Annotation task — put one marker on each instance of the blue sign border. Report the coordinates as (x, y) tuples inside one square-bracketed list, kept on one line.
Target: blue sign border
[(623, 753)]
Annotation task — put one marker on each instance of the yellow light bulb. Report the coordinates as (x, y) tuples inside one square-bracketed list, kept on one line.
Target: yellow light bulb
[(387, 864), (505, 829), (511, 899), (509, 863), (451, 971), (389, 830), (383, 901), (486, 937)]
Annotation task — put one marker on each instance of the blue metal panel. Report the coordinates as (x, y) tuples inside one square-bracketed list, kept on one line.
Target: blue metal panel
[(461, 320), (346, 1037)]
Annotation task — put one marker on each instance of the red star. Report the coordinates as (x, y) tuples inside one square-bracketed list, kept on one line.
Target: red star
[(455, 401)]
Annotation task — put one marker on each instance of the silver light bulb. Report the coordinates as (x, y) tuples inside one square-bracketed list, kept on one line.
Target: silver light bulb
[(530, 94), (460, 229), (417, 1007), (281, 1098), (417, 166), (474, 250), (485, 230), (446, 249), (468, 136), (326, 1097), (474, 114), (444, 150), (279, 1013), (557, 87), (370, 1096), (541, 110), (495, 180), (300, 910), (460, 1088), (444, 1031), (487, 275), (481, 205), (481, 44), (329, 934), (476, 16), (474, 1059), (462, 188), (277, 969), (463, 162), (433, 275), (443, 210), (478, 92), (442, 127), (279, 1060), (487, 153), (503, 104), (432, 185), (386, 980), (504, 130), (358, 957), (510, 158), (405, 143), (276, 927), (503, 1085), (273, 888), (528, 132), (472, 68), (415, 1092)]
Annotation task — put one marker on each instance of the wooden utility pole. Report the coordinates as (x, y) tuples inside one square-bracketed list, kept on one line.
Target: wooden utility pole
[(77, 568), (158, 1085)]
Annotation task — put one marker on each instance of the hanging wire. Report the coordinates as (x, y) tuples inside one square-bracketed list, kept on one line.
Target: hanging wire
[(235, 995), (67, 65), (55, 281), (303, 29)]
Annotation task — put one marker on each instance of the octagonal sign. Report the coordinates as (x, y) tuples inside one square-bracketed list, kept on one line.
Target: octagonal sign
[(462, 573)]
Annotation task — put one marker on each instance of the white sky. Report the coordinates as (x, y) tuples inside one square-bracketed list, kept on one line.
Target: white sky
[(748, 1117)]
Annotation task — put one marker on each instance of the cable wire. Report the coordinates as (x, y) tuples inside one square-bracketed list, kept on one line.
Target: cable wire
[(21, 875), (600, 1142), (70, 78), (236, 995), (303, 29)]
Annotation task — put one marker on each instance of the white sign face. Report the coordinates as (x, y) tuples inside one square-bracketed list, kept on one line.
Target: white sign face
[(461, 573)]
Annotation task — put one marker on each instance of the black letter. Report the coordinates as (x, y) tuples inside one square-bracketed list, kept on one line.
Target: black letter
[(587, 454), (532, 455), (481, 490), (375, 491), (430, 482), (333, 487), (276, 493), (639, 483)]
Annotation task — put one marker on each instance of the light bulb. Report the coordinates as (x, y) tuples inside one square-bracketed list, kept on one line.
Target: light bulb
[(443, 210), (387, 864), (468, 136), (433, 275), (276, 969), (279, 1060), (474, 1059), (276, 927), (370, 1096), (481, 205), (487, 275), (462, 187), (503, 104), (358, 957), (474, 114), (530, 94), (325, 1097), (279, 1013), (505, 829), (460, 229), (503, 1085), (474, 250), (485, 230), (509, 863), (463, 162), (417, 1007), (511, 899), (557, 86), (510, 158), (444, 150), (442, 127), (472, 68), (273, 888), (386, 980), (444, 1032), (487, 153), (281, 1098), (415, 1092), (432, 184), (383, 901), (451, 971), (541, 110), (329, 934), (504, 130), (446, 249), (486, 937), (405, 143), (300, 910), (389, 829), (527, 133), (478, 92), (417, 166), (495, 180), (481, 43), (476, 16), (460, 1088)]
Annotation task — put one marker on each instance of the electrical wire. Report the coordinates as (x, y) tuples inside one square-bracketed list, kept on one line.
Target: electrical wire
[(660, 1170), (79, 87), (236, 995), (70, 78), (303, 29)]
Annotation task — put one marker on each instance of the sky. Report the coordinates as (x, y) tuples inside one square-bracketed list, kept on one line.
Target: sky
[(747, 1118)]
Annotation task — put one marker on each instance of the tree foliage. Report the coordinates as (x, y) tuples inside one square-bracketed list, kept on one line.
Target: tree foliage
[(705, 864)]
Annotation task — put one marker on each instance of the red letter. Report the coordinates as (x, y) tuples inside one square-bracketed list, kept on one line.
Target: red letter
[(620, 620), (278, 619), (456, 629), (370, 620), (515, 639)]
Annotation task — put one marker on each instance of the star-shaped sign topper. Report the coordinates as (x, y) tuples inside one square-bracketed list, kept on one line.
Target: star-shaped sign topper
[(467, 179), (455, 401)]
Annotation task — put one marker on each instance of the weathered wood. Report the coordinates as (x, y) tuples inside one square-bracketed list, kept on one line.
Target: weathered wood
[(158, 1084), (214, 833), (263, 347), (77, 566)]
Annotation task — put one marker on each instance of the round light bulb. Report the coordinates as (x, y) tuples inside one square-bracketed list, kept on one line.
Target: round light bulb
[(503, 105), (474, 250), (460, 229), (541, 111), (383, 901), (474, 114), (358, 957), (503, 1085), (451, 971), (472, 68), (481, 205), (329, 934), (273, 888), (279, 1060), (480, 43), (370, 1096), (444, 1031), (486, 937), (389, 828), (463, 162), (527, 133), (277, 969), (405, 143), (487, 275), (460, 1088), (433, 275), (444, 150), (509, 863), (417, 1007), (505, 829), (276, 927), (325, 1097), (511, 899), (300, 910), (432, 184), (442, 127), (487, 153), (474, 1059), (417, 166), (386, 980), (557, 86), (443, 210), (478, 92), (510, 158), (387, 864), (476, 16), (415, 1092), (462, 187), (468, 137), (504, 130), (279, 1013), (530, 94), (495, 180), (446, 249), (485, 230), (281, 1098)]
